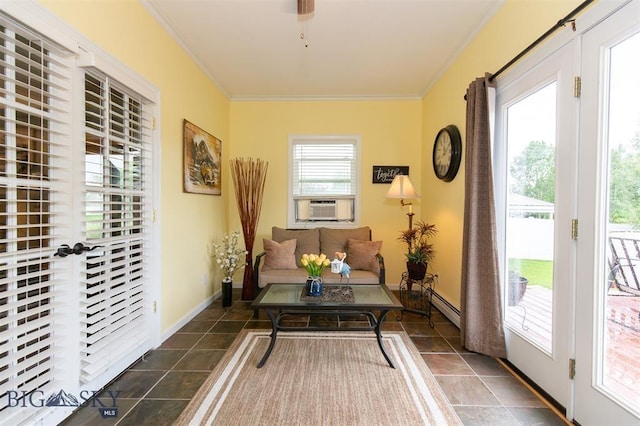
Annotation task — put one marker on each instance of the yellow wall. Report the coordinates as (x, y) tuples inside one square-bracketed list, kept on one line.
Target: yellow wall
[(394, 132), (189, 221), (517, 24), (390, 132)]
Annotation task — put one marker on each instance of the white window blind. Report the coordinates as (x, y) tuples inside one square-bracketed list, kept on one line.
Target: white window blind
[(34, 162), (117, 219), (323, 181), (324, 168)]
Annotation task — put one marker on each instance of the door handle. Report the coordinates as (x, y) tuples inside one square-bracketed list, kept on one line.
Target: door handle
[(78, 248), (63, 251)]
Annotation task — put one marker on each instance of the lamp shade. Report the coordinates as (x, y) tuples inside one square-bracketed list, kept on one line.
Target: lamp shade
[(401, 187)]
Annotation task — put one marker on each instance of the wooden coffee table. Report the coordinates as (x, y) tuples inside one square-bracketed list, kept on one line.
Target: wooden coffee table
[(281, 300)]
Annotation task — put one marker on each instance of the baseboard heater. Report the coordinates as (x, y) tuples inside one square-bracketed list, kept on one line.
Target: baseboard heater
[(441, 304), (446, 308)]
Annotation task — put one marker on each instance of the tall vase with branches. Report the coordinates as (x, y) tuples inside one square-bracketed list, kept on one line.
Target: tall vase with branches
[(249, 176)]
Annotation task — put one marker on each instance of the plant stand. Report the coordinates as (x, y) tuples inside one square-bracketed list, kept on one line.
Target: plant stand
[(416, 295)]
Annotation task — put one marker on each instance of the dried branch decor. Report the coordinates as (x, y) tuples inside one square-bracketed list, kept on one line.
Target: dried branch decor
[(249, 176)]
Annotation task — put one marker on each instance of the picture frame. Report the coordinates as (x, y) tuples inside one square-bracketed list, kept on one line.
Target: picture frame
[(385, 174), (202, 156)]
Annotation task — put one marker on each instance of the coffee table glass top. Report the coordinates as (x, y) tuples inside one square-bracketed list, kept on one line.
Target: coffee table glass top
[(288, 295)]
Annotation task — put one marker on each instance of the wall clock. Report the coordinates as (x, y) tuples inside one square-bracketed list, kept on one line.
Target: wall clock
[(447, 152)]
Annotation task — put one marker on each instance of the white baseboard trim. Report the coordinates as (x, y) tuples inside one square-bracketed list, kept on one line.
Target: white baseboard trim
[(191, 315)]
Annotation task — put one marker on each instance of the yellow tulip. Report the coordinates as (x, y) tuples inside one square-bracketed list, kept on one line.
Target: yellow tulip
[(326, 262), (304, 261)]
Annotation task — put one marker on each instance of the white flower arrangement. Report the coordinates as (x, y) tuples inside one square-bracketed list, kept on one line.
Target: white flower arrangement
[(228, 257)]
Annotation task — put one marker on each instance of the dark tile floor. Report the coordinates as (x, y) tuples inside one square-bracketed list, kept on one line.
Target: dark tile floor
[(154, 391)]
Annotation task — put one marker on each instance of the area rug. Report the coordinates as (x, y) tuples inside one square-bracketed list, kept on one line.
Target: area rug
[(320, 378)]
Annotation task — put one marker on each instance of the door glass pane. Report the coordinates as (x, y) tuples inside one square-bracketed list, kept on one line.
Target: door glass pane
[(619, 356), (531, 129)]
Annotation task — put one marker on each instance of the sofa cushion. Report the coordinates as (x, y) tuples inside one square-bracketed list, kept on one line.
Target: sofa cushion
[(335, 240), (308, 240), (362, 255), (282, 276), (279, 255)]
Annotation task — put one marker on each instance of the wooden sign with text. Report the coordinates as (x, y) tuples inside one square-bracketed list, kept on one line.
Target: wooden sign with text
[(385, 174)]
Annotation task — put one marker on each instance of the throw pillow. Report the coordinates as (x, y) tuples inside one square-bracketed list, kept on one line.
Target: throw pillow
[(334, 239), (308, 240), (279, 255), (362, 255)]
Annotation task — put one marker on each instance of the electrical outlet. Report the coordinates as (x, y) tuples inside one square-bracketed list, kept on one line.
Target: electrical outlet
[(205, 279)]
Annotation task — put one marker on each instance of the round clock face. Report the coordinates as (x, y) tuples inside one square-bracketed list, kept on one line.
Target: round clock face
[(447, 152)]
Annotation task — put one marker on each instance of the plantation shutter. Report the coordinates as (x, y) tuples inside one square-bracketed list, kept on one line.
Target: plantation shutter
[(35, 137), (114, 313), (324, 169)]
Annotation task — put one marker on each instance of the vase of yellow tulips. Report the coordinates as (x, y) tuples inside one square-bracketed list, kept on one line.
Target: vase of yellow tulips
[(314, 264)]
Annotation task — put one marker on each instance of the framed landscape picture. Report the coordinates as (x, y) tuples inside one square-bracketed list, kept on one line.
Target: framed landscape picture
[(202, 154)]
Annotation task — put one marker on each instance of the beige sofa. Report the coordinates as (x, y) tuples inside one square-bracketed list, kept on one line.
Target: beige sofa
[(280, 262)]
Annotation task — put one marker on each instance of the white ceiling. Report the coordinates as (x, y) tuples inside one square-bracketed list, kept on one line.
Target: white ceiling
[(253, 49)]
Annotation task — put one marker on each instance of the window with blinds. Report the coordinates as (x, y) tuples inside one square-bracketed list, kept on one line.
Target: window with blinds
[(324, 184), (116, 219), (34, 160)]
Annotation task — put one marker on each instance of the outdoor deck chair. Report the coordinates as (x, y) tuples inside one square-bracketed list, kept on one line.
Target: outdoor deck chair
[(624, 264)]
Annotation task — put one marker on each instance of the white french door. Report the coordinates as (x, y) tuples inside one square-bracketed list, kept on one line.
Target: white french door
[(34, 166), (535, 156), (75, 228), (607, 382), (569, 151)]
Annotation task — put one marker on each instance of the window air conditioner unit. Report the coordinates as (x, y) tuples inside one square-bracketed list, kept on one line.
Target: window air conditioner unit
[(322, 210)]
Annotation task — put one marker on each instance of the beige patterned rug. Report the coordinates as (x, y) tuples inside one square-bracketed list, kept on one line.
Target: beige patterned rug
[(313, 378)]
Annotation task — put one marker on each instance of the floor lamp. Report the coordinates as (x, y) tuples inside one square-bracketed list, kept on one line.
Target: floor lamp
[(402, 188)]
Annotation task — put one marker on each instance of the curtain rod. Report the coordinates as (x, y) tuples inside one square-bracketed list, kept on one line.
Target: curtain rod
[(561, 23)]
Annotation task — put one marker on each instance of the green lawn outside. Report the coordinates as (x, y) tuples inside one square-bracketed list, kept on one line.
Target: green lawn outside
[(538, 272), (94, 225)]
